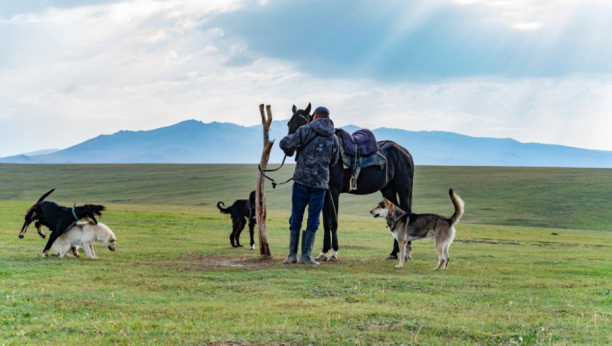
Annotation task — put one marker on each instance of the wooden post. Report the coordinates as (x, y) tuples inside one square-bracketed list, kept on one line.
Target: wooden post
[(260, 198)]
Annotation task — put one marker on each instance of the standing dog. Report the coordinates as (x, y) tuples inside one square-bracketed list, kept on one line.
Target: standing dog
[(57, 218), (84, 235), (242, 211), (407, 227)]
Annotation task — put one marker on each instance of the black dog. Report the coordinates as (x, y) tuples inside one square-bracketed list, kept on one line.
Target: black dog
[(242, 210), (57, 218)]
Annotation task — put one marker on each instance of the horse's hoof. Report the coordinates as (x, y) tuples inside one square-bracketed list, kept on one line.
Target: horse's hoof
[(333, 259), (240, 246), (21, 236), (252, 247), (43, 236), (392, 257), (321, 257)]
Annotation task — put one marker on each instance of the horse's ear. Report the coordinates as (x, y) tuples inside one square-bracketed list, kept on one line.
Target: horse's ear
[(294, 109), (307, 110)]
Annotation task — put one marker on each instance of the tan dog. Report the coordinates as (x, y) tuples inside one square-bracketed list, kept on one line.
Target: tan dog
[(84, 235), (407, 227)]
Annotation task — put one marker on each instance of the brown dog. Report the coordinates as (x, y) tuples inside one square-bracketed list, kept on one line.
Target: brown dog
[(406, 227)]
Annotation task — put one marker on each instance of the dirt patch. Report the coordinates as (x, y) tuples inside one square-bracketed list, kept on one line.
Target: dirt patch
[(225, 260), (247, 343), (487, 242)]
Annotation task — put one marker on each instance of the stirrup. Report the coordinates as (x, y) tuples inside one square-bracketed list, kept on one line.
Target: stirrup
[(352, 184)]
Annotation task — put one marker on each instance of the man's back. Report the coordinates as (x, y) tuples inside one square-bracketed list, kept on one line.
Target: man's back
[(318, 151)]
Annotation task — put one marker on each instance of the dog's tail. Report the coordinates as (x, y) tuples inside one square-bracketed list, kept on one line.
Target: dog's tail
[(45, 196), (459, 204), (223, 209)]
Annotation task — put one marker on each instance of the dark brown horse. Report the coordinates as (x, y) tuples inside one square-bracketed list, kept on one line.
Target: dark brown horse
[(394, 182)]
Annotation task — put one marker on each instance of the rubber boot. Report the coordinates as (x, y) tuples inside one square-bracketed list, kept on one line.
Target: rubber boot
[(294, 240), (308, 238)]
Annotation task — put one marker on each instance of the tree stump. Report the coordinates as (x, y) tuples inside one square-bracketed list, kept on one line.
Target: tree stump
[(260, 198)]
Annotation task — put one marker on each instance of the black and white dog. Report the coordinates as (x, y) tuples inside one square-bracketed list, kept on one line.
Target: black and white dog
[(242, 211), (57, 218)]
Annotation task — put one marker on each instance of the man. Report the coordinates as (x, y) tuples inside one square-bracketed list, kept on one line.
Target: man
[(317, 150)]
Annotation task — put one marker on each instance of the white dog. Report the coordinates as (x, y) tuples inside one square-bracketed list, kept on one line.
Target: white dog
[(84, 235)]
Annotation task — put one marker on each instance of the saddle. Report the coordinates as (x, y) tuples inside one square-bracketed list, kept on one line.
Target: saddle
[(358, 151)]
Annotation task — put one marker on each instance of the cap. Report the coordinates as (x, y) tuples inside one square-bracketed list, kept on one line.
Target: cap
[(322, 110)]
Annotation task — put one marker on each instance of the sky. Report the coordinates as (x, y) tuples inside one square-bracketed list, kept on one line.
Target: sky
[(533, 70)]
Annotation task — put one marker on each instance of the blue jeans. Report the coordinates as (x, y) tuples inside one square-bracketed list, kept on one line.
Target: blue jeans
[(301, 196)]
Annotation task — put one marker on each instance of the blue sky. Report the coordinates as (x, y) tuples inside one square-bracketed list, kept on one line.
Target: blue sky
[(533, 70)]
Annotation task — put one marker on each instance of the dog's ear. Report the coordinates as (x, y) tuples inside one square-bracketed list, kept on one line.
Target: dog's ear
[(389, 204)]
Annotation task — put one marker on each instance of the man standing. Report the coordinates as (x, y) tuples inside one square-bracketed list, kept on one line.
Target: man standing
[(317, 150)]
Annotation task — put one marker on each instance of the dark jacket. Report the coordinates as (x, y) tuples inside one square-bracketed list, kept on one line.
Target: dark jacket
[(314, 160)]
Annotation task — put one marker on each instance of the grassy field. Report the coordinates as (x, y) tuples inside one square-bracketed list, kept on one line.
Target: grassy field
[(531, 263)]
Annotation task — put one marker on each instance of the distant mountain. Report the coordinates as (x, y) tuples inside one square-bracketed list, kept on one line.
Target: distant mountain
[(192, 141), (41, 152)]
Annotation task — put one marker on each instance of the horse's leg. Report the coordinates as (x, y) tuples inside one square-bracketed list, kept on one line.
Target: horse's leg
[(404, 192), (389, 192), (334, 224), (326, 227)]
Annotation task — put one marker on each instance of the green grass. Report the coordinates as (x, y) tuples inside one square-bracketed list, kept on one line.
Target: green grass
[(174, 279), (534, 197)]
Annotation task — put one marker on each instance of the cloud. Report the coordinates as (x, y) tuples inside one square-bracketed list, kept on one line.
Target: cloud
[(528, 26), (73, 72), (420, 40)]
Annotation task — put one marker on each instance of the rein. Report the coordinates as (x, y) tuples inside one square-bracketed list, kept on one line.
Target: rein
[(274, 183)]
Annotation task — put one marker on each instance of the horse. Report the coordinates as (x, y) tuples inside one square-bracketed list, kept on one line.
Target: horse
[(394, 182)]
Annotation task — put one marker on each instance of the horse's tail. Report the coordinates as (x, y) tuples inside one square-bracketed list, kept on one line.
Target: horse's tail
[(223, 210), (411, 173), (459, 204), (45, 196)]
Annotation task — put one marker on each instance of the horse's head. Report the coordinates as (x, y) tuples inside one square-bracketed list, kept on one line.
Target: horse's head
[(300, 117)]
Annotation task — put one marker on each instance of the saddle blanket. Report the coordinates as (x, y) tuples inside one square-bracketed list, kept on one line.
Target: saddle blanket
[(366, 142)]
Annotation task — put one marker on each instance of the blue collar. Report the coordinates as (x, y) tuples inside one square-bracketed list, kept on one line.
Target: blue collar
[(73, 213)]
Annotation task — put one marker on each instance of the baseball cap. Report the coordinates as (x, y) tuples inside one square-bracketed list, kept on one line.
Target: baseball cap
[(322, 111)]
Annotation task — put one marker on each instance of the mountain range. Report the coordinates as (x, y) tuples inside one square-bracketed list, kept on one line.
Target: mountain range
[(192, 141)]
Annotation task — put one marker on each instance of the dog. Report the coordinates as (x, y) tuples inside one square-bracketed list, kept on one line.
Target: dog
[(84, 235), (58, 219), (242, 211), (406, 227)]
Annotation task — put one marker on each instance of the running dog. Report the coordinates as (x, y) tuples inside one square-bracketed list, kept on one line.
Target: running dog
[(84, 235), (58, 219), (242, 211), (407, 227)]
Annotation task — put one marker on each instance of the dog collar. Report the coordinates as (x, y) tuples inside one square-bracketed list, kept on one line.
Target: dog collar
[(73, 213)]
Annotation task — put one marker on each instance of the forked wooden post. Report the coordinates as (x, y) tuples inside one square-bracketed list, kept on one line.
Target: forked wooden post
[(260, 198)]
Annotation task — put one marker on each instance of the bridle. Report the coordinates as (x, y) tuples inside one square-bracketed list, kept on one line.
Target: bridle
[(307, 118)]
